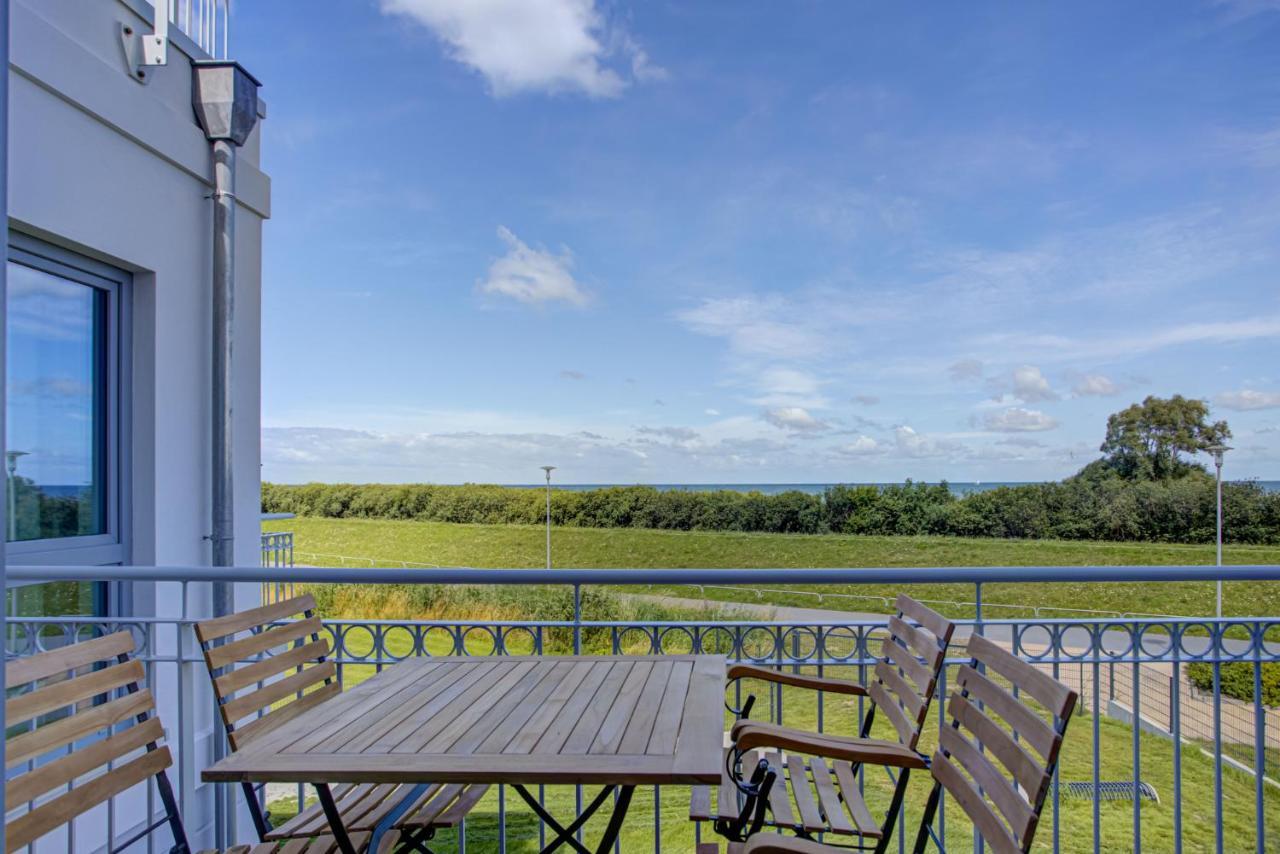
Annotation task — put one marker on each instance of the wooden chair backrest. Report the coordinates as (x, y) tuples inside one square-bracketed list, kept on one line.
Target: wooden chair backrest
[(1003, 786), (253, 676), (108, 717), (907, 672)]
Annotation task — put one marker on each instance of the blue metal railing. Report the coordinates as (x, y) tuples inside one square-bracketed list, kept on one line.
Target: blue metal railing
[(1143, 723)]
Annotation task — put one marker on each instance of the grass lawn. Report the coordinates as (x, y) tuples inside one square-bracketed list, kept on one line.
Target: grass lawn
[(354, 542), (800, 708)]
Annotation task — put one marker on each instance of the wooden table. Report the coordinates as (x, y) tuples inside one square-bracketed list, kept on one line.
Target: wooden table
[(616, 721)]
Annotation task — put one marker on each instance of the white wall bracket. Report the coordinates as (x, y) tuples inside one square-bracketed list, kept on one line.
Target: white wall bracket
[(144, 51)]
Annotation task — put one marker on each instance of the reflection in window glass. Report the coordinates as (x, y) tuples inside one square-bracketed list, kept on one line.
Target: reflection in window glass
[(56, 444), (56, 599)]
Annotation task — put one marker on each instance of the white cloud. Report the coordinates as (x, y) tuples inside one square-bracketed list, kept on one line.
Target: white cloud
[(1095, 385), (1109, 346), (788, 387), (866, 399), (751, 326), (572, 375), (1248, 399), (909, 443), (1030, 385), (534, 45), (965, 369), (711, 412), (532, 276), (794, 418), (861, 446), (1018, 420)]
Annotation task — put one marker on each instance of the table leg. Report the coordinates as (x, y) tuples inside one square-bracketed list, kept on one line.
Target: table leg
[(565, 835), (615, 821), (331, 813)]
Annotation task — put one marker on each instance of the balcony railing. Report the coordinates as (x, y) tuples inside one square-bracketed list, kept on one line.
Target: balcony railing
[(1149, 759)]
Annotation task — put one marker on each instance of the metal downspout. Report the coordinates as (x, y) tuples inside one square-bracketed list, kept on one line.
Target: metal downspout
[(223, 468), (225, 99)]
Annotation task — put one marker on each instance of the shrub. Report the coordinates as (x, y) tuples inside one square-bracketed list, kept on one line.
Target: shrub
[(1237, 680), (1096, 505)]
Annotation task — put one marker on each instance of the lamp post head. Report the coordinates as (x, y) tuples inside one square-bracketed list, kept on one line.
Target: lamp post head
[(1216, 450), (548, 470)]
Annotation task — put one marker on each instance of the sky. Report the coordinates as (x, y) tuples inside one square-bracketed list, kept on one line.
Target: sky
[(655, 242)]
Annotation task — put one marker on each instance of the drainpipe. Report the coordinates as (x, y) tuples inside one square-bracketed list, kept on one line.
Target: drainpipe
[(225, 97)]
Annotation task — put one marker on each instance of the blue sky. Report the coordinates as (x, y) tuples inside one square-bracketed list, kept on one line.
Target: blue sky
[(746, 242)]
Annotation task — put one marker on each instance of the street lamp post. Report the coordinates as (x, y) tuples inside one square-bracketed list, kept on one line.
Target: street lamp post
[(1217, 450), (12, 458), (548, 470)]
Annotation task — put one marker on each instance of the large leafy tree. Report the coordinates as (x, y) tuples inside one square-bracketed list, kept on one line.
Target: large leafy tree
[(1148, 440)]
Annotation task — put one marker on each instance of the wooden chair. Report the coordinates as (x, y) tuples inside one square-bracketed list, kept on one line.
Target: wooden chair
[(88, 700), (270, 664), (996, 767), (814, 796)]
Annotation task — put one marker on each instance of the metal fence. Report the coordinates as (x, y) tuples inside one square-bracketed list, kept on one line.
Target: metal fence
[(1209, 774), (277, 553)]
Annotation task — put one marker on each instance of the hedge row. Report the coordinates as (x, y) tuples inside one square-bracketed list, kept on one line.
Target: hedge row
[(1237, 680), (1107, 508)]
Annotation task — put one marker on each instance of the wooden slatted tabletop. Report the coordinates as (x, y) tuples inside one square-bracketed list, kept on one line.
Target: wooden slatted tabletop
[(624, 720)]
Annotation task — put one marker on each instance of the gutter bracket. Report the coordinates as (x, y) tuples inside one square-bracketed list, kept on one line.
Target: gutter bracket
[(145, 50)]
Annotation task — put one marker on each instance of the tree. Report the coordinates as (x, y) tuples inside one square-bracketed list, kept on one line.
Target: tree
[(1146, 441)]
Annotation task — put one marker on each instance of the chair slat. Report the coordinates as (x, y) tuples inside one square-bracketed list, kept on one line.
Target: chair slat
[(1056, 697), (62, 809), (234, 710), (941, 627), (867, 825), (36, 782), (259, 727), (71, 657), (907, 731), (779, 797), (62, 732), (259, 671), (1017, 812), (828, 800), (975, 807), (888, 674), (810, 818), (919, 641), (23, 707), (1025, 722), (921, 675), (221, 627), (458, 807), (221, 656), (1028, 771)]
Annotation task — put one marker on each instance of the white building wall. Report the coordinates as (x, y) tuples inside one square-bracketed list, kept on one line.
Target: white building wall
[(120, 172)]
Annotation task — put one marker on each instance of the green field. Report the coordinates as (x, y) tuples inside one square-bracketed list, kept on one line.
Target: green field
[(358, 542)]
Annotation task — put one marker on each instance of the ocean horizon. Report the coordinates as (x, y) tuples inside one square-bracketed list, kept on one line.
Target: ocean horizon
[(957, 487)]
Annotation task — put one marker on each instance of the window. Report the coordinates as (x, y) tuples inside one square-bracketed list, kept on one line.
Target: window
[(63, 443)]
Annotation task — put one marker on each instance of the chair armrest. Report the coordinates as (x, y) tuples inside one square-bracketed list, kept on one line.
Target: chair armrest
[(773, 843), (870, 751), (799, 680)]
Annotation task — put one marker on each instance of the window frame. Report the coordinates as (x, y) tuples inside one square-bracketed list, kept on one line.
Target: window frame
[(112, 546)]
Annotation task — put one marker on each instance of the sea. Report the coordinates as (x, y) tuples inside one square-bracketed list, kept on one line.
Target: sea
[(957, 487)]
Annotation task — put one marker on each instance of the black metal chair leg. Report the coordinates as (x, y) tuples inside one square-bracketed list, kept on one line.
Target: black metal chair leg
[(926, 820), (331, 813)]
